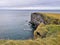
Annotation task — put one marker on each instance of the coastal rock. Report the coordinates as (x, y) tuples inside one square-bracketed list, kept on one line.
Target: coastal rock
[(36, 19), (46, 18)]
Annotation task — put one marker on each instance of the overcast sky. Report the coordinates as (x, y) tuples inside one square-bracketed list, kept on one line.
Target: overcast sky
[(29, 3)]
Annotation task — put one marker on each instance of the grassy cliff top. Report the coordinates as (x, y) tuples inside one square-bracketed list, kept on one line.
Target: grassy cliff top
[(52, 15), (55, 15)]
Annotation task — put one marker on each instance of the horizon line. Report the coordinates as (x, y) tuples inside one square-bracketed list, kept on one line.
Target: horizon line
[(30, 8)]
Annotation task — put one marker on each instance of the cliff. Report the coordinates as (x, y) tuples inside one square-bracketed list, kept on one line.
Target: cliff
[(46, 18), (40, 20)]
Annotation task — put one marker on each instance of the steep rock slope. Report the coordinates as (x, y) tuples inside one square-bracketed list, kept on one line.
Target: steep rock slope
[(46, 18)]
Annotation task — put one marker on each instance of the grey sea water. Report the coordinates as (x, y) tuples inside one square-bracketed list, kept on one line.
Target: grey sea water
[(14, 24)]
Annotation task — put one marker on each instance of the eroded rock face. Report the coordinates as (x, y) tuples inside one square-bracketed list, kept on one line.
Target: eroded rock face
[(36, 18)]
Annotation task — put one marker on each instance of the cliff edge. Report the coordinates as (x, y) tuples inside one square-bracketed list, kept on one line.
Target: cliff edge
[(40, 20)]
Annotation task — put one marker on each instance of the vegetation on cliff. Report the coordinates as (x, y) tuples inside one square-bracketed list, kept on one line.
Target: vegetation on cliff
[(51, 18)]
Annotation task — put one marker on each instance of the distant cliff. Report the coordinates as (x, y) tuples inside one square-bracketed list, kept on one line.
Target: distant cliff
[(46, 18)]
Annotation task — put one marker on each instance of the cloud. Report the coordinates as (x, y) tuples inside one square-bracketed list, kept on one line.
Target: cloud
[(27, 3), (17, 2)]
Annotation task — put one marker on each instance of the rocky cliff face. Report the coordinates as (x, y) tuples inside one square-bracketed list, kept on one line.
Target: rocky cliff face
[(37, 18)]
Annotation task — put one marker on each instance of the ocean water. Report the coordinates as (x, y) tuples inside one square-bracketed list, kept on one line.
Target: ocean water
[(14, 24)]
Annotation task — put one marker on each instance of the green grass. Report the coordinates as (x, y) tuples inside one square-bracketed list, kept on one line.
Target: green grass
[(55, 15), (52, 36)]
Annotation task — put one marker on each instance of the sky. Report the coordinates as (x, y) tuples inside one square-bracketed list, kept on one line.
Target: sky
[(29, 3)]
